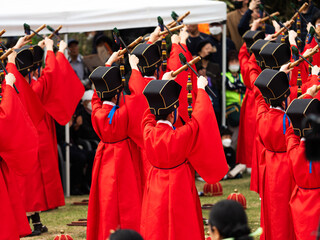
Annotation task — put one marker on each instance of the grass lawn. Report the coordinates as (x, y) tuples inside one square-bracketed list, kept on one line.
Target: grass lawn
[(58, 219)]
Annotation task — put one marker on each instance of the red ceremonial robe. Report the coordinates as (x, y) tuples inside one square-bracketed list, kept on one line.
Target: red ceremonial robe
[(257, 165), (304, 203), (182, 78), (115, 195), (276, 181), (18, 149), (247, 125), (170, 208)]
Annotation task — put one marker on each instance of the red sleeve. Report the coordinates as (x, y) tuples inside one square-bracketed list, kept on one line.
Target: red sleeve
[(208, 142), (29, 99), (244, 57), (137, 82), (253, 71), (19, 138), (67, 93)]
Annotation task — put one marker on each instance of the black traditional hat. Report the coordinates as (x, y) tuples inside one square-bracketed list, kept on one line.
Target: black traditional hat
[(273, 85), (162, 96), (298, 111), (251, 36), (149, 57), (37, 57), (107, 81), (283, 39), (274, 55), (26, 56), (256, 48)]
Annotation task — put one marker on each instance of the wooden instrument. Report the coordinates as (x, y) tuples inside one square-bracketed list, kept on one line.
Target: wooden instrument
[(292, 20), (296, 63), (262, 20), (174, 23), (36, 31), (131, 45), (6, 54), (166, 31), (55, 32), (184, 67), (2, 32)]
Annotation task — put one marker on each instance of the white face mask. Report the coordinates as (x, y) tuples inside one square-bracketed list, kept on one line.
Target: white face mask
[(215, 30), (234, 68), (226, 142)]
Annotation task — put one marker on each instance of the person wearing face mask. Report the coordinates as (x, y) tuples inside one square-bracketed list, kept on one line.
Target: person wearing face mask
[(233, 19), (228, 150), (216, 40), (235, 90)]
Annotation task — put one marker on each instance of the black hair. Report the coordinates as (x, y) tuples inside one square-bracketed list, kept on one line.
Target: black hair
[(315, 17), (225, 131), (125, 234), (148, 72), (233, 55), (201, 44), (230, 219), (161, 117)]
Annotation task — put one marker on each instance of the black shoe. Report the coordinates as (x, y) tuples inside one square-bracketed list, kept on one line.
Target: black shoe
[(34, 233), (44, 229)]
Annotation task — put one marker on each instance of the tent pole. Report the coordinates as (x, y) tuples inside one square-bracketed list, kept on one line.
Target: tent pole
[(67, 135), (224, 67)]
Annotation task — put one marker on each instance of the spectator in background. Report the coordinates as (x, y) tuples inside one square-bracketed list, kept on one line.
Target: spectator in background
[(76, 61), (212, 72), (226, 135), (250, 15), (216, 40), (235, 90), (194, 38), (233, 20)]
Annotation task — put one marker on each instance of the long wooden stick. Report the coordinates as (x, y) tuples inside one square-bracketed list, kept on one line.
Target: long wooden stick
[(262, 20), (166, 31), (303, 95), (283, 29), (174, 23), (55, 32), (37, 31), (296, 63), (184, 67), (131, 45), (2, 32), (6, 54)]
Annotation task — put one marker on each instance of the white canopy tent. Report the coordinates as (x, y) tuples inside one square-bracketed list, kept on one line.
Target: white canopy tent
[(94, 15)]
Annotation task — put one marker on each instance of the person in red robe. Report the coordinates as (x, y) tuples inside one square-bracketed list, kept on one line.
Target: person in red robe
[(19, 146), (115, 196), (170, 208), (304, 202), (42, 189)]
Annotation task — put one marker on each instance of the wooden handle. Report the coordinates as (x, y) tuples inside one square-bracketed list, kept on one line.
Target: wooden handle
[(174, 23), (2, 32), (166, 31), (6, 54), (303, 7), (296, 63), (303, 95), (131, 45), (262, 20), (184, 67), (38, 30), (283, 29), (55, 32)]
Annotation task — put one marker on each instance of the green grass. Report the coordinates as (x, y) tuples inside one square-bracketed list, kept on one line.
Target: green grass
[(58, 219)]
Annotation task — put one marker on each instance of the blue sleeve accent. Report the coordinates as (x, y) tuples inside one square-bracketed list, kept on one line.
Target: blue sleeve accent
[(111, 113), (310, 167), (285, 116)]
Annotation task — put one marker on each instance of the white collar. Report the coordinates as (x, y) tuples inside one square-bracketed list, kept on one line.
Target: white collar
[(151, 77), (109, 103), (165, 122), (303, 139), (279, 108)]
